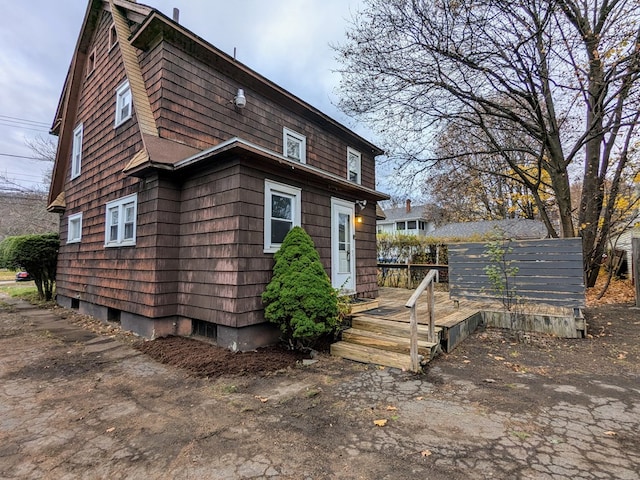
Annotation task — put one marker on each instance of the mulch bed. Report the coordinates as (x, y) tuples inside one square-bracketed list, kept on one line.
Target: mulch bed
[(202, 359)]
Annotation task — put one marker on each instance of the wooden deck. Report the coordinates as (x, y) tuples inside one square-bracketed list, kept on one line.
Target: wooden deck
[(381, 334), (380, 329)]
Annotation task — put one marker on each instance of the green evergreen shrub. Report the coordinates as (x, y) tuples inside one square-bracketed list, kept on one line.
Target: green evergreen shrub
[(299, 298), (36, 254)]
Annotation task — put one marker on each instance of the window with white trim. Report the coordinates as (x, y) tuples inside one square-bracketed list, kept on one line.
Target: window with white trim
[(120, 225), (91, 62), (123, 103), (74, 228), (76, 152), (354, 162), (113, 36), (295, 145), (282, 207)]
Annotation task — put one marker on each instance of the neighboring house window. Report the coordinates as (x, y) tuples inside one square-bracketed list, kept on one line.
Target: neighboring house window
[(74, 230), (354, 160), (113, 36), (282, 207), (76, 152), (400, 225), (123, 103), (120, 228), (411, 225), (295, 145), (91, 62)]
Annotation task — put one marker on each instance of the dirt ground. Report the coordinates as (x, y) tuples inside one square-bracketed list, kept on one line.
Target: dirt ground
[(80, 399)]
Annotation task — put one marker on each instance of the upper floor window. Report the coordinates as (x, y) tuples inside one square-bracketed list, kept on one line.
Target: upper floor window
[(282, 207), (76, 151), (74, 230), (354, 159), (295, 145), (91, 62), (123, 103), (120, 227), (113, 36)]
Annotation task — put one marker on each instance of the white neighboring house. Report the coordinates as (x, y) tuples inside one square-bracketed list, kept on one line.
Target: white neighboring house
[(624, 243), (406, 220)]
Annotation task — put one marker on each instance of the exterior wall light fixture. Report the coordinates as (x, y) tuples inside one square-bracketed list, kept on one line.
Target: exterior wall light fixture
[(240, 101)]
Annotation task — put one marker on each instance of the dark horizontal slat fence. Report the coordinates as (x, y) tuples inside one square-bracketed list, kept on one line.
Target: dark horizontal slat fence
[(549, 271)]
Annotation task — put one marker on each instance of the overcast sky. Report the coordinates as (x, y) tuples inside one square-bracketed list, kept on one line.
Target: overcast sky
[(287, 41)]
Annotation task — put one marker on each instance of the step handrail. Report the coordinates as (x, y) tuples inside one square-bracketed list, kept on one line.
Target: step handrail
[(428, 285)]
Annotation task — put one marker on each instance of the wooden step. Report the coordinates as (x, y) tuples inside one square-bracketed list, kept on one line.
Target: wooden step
[(457, 326), (389, 342), (391, 327), (364, 354)]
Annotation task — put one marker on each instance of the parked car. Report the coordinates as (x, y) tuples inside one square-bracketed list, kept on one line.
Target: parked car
[(23, 277)]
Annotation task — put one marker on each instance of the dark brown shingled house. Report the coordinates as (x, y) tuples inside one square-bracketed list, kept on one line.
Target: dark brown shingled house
[(179, 171)]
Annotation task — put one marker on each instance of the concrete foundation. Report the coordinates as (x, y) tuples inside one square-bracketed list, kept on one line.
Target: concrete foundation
[(235, 339), (247, 338)]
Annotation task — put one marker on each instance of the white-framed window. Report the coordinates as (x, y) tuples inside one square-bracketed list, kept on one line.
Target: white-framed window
[(76, 152), (120, 224), (123, 103), (91, 62), (295, 145), (282, 212), (354, 165), (113, 36), (74, 230)]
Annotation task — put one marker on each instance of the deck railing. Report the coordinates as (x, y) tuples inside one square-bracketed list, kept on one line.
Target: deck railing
[(426, 284)]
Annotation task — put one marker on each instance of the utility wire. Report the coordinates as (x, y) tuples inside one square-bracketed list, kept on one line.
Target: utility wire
[(22, 156), (23, 120)]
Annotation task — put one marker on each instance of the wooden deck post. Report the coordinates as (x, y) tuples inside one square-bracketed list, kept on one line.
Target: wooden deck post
[(431, 302), (413, 341), (426, 284)]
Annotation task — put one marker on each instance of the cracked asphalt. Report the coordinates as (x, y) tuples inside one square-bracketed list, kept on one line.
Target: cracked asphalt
[(75, 403)]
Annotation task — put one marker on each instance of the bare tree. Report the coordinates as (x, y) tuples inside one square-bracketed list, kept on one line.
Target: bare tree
[(561, 75), (25, 207)]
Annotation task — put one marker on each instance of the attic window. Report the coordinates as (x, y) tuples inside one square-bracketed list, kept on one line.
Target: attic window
[(295, 145), (91, 62), (123, 103), (113, 36), (353, 165)]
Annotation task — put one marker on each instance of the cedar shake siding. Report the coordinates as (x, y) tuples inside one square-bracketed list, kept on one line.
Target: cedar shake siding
[(196, 166)]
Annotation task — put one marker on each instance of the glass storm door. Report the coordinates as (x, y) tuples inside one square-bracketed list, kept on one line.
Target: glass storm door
[(343, 249)]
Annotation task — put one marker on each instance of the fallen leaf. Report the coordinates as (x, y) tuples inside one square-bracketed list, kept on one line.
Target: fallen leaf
[(109, 430), (391, 408), (622, 355), (419, 398), (498, 358), (380, 423), (610, 433), (425, 453), (466, 361), (262, 399)]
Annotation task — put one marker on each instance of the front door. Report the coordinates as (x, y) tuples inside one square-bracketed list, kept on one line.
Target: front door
[(343, 246)]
